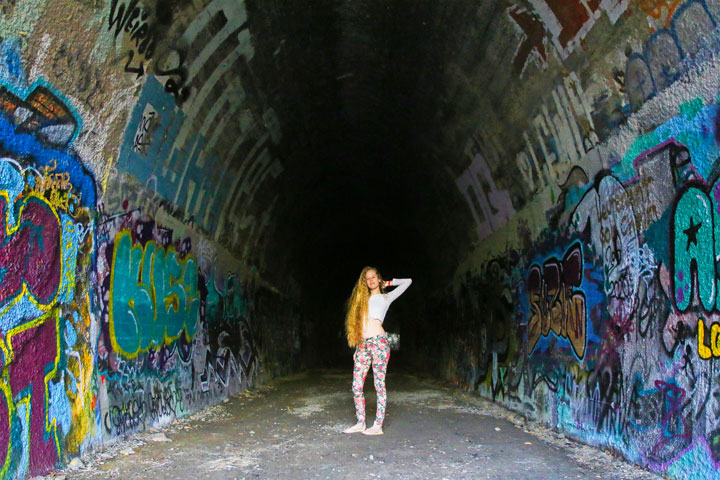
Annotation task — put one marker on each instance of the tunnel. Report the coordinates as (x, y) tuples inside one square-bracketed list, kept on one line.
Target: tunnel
[(198, 185)]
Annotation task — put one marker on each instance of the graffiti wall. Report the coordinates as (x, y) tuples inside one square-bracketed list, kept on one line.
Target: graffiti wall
[(47, 199), (591, 301), (128, 296)]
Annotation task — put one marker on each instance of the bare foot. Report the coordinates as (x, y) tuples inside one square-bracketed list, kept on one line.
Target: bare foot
[(358, 427), (374, 430)]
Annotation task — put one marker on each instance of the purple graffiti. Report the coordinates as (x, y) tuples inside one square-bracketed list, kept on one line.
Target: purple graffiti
[(34, 349), (30, 252), (676, 433)]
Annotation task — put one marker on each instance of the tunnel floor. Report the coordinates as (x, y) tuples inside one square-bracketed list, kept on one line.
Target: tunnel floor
[(291, 428)]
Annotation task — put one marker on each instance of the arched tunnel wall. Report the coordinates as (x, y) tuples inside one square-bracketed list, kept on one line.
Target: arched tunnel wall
[(590, 298), (136, 144), (554, 163)]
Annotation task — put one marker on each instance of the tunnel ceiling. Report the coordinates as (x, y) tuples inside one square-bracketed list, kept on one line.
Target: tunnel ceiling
[(368, 176)]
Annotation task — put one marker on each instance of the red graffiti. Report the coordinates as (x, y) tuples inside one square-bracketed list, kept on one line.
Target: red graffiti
[(572, 16), (555, 304), (563, 22), (534, 32), (30, 252)]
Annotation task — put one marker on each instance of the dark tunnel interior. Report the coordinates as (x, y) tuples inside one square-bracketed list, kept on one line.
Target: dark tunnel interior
[(365, 185)]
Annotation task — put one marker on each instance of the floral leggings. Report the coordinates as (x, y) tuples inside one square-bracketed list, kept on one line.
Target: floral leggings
[(375, 350)]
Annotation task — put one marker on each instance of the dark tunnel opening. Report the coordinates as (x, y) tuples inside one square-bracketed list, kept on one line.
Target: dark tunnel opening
[(363, 190)]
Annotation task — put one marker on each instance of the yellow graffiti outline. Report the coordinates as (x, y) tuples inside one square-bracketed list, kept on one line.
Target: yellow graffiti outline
[(80, 402), (108, 167), (51, 426), (5, 387), (10, 231), (151, 288)]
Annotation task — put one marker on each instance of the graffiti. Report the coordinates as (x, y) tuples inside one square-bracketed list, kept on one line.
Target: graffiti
[(490, 210), (144, 130), (153, 295), (693, 246), (674, 432), (557, 303), (660, 9), (661, 61), (87, 80), (54, 186), (111, 322), (534, 37), (708, 351), (562, 134), (126, 418), (147, 154), (178, 76), (41, 127), (608, 210), (146, 403), (140, 25), (26, 393), (173, 338), (177, 152), (564, 23), (131, 18), (47, 198), (647, 223), (228, 314), (30, 253)]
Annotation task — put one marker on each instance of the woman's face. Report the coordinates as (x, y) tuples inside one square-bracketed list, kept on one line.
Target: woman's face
[(372, 279)]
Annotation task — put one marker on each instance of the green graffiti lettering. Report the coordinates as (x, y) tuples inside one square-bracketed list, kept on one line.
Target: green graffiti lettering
[(153, 296), (694, 250)]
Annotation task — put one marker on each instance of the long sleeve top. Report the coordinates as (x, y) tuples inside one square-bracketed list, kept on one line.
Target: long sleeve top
[(379, 303)]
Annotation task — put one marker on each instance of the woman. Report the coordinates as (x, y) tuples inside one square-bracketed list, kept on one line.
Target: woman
[(366, 310)]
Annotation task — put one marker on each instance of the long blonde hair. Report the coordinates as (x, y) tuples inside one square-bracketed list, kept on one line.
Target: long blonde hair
[(357, 307)]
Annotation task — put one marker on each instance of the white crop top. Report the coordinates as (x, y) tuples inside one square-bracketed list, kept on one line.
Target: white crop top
[(379, 303)]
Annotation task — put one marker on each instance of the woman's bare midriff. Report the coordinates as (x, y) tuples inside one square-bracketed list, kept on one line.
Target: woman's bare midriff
[(373, 328)]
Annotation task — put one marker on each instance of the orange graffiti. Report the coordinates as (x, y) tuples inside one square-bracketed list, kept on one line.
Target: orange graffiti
[(655, 9)]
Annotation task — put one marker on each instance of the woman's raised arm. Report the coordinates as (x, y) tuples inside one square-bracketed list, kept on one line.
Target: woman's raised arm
[(400, 284)]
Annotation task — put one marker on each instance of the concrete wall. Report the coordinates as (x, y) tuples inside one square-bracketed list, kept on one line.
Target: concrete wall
[(134, 163), (590, 301)]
